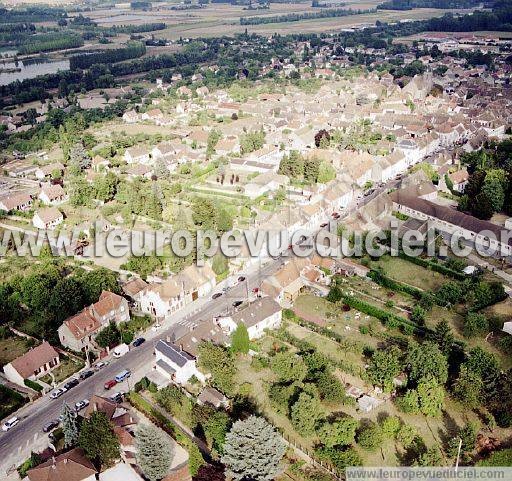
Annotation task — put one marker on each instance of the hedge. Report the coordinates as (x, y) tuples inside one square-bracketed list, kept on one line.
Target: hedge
[(434, 266), (196, 459), (33, 385), (387, 318)]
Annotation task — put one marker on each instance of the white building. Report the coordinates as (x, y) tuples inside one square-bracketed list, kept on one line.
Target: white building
[(176, 364)]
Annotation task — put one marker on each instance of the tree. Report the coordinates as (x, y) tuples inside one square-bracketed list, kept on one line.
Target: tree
[(475, 324), (369, 436), (430, 397), (110, 336), (427, 360), (240, 339), (409, 402), (483, 206), (221, 364), (430, 458), (305, 414), (96, 281), (390, 426), (321, 135), (79, 159), (468, 388), (253, 450), (216, 428), (98, 440), (326, 172), (69, 426), (289, 367), (330, 389), (384, 366), (418, 315), (486, 366), (204, 213), (449, 293), (406, 435), (340, 432), (494, 187), (443, 337), (154, 451)]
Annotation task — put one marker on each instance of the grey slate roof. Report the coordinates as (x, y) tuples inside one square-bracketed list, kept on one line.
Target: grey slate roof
[(173, 353)]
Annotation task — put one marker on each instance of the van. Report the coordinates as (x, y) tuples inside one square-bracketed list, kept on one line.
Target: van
[(120, 350), (10, 423), (123, 375)]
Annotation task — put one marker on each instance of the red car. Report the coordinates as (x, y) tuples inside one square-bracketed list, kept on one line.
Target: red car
[(110, 384)]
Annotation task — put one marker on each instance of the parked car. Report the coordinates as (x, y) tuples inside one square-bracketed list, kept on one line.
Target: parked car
[(85, 374), (123, 375), (81, 404), (217, 295), (50, 426), (71, 384), (241, 279), (237, 303), (10, 423), (138, 342), (109, 384), (58, 392), (118, 397), (100, 365), (325, 224)]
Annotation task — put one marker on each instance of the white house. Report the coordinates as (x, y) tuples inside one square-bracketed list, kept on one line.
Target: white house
[(137, 154), (162, 299), (175, 363), (52, 194), (47, 218), (21, 201), (265, 313), (33, 364)]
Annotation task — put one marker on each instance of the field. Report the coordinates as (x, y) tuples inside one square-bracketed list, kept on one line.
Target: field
[(223, 19), (483, 34), (11, 348)]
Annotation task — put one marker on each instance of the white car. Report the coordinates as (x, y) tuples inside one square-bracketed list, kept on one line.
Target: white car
[(81, 404), (10, 423), (101, 365), (58, 393)]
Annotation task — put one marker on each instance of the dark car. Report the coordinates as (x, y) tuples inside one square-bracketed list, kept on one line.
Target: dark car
[(110, 384), (217, 295), (241, 279), (71, 383), (117, 397), (85, 374), (50, 426), (139, 341), (237, 303), (325, 224)]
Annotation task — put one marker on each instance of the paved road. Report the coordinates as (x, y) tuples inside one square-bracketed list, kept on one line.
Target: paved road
[(15, 445)]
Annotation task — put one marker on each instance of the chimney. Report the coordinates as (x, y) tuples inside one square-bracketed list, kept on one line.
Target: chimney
[(95, 407), (181, 347)]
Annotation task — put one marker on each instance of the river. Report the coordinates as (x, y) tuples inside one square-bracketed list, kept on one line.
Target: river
[(11, 71)]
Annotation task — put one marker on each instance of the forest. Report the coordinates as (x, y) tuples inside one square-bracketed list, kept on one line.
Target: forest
[(132, 50), (410, 4), (50, 42)]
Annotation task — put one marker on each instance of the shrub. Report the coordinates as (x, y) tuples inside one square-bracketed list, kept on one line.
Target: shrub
[(370, 436), (33, 385)]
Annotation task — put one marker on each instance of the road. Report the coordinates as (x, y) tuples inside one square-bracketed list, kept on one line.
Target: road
[(16, 444)]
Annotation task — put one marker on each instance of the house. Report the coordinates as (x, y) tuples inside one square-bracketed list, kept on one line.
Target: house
[(133, 289), (153, 115), (137, 154), (46, 171), (21, 201), (78, 332), (176, 364), (52, 194), (197, 281), (163, 299), (507, 327), (459, 180), (202, 91), (111, 308), (210, 395), (47, 218), (286, 284), (33, 364), (453, 222), (99, 163), (139, 170), (131, 117), (70, 466), (264, 313)]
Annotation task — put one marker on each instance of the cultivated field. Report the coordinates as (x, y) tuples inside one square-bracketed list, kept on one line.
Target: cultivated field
[(223, 19)]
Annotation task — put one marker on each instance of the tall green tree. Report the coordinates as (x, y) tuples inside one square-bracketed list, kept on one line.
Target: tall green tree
[(427, 360), (69, 426), (384, 366), (253, 450), (305, 414), (98, 440), (154, 451), (240, 339), (289, 367)]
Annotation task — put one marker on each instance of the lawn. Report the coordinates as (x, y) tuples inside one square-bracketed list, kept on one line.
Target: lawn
[(11, 348), (409, 273), (67, 367)]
